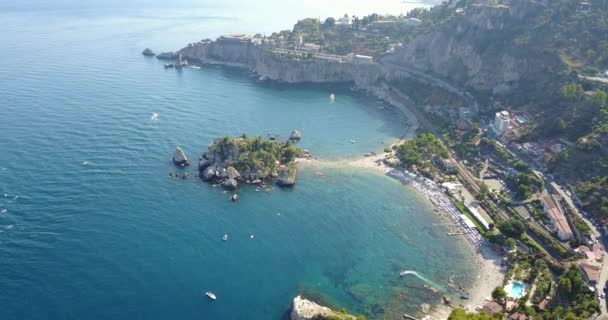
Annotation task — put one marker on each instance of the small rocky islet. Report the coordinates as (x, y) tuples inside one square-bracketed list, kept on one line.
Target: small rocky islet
[(232, 161)]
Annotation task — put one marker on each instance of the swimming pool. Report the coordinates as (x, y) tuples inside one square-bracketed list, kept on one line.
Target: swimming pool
[(516, 289)]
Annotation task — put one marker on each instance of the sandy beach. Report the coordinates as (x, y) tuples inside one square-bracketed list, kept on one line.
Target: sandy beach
[(488, 263)]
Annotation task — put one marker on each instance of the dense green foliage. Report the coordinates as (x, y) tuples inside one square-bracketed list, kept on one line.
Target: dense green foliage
[(525, 184), (512, 228), (595, 195), (460, 314), (421, 150), (582, 301), (258, 154), (499, 293)]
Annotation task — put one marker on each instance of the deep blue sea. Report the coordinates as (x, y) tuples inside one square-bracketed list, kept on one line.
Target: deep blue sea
[(93, 227)]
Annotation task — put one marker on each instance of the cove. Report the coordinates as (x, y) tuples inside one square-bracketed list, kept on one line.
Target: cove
[(96, 229)]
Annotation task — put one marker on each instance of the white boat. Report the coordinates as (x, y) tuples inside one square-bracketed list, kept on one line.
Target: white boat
[(402, 273), (332, 97), (225, 237), (211, 295), (353, 141), (252, 236)]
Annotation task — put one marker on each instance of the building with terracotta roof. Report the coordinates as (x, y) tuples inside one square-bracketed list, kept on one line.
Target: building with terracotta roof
[(518, 316), (560, 224), (544, 305), (591, 273), (581, 250), (492, 308)]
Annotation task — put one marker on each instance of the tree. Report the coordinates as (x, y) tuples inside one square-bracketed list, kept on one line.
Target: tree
[(573, 91), (598, 99), (460, 314), (483, 191), (329, 22), (499, 293), (510, 243), (561, 124), (565, 284), (512, 228)]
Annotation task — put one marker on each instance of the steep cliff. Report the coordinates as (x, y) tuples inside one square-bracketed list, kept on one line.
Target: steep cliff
[(280, 66), (488, 49)]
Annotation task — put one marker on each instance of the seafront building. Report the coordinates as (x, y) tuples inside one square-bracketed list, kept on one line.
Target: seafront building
[(502, 121), (560, 224)]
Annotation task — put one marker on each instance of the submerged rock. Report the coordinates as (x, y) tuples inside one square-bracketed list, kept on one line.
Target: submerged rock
[(295, 135), (148, 52), (179, 157)]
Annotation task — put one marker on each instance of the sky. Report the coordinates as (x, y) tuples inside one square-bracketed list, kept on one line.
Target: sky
[(307, 7)]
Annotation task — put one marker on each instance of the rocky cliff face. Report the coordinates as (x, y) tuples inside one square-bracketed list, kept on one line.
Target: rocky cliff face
[(273, 66), (487, 49), (303, 309)]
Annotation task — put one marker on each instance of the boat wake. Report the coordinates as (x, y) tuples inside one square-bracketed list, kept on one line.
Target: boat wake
[(421, 277)]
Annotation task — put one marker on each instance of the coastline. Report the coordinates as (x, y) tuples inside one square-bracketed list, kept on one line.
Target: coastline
[(487, 263)]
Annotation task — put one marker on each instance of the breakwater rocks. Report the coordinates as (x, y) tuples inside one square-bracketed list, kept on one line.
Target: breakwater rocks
[(303, 309), (230, 161)]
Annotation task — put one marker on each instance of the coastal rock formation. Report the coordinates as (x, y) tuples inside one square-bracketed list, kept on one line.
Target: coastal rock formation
[(230, 184), (271, 65), (295, 135), (179, 157), (148, 52), (166, 56), (230, 161), (287, 175), (303, 309)]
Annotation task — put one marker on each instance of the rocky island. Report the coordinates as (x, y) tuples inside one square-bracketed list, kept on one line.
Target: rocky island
[(230, 161)]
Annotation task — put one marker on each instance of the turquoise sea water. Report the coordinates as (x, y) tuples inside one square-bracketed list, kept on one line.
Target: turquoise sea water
[(92, 226)]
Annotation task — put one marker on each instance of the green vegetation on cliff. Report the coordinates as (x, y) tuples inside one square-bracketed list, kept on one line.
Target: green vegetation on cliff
[(460, 314), (595, 196), (258, 154)]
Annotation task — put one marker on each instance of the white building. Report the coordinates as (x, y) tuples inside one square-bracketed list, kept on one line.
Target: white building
[(345, 20), (362, 59), (502, 120), (560, 224)]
